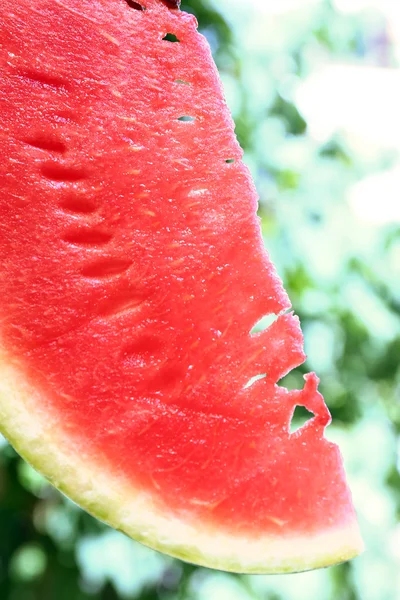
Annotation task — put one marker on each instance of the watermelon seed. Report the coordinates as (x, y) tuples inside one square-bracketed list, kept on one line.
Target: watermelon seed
[(135, 5), (230, 160), (182, 82), (88, 237), (106, 267), (170, 37), (78, 205), (46, 143), (186, 118), (300, 417)]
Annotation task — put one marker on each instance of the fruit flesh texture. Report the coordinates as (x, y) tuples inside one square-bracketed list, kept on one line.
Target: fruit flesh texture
[(133, 271)]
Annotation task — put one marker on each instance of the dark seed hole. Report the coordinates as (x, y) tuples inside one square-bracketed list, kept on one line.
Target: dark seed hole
[(61, 173), (48, 143), (124, 302), (65, 116), (106, 267), (170, 37), (168, 377), (88, 237), (186, 118), (300, 417), (44, 79), (144, 345), (135, 5), (78, 205)]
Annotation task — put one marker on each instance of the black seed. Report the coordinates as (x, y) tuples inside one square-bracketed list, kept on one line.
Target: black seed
[(173, 3), (135, 5)]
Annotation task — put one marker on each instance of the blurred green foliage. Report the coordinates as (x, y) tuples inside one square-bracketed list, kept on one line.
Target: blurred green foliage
[(340, 272)]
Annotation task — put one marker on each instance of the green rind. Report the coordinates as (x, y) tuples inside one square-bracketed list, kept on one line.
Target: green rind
[(41, 439)]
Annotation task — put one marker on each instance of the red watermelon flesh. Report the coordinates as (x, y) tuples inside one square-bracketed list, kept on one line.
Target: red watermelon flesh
[(132, 274)]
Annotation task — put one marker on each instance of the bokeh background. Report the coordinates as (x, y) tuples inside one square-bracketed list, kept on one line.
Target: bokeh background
[(314, 88)]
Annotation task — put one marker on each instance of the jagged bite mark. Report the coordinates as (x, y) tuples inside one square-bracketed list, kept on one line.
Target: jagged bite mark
[(46, 142), (78, 205), (254, 379), (263, 323), (88, 237), (44, 79), (171, 37), (106, 267), (61, 173), (277, 344), (299, 418)]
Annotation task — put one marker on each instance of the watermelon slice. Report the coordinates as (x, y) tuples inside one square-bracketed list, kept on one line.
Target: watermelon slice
[(132, 275)]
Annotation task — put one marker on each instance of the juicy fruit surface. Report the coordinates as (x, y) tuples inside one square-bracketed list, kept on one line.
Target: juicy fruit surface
[(133, 272)]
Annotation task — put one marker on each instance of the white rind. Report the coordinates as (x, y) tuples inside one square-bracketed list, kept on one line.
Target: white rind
[(43, 441)]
